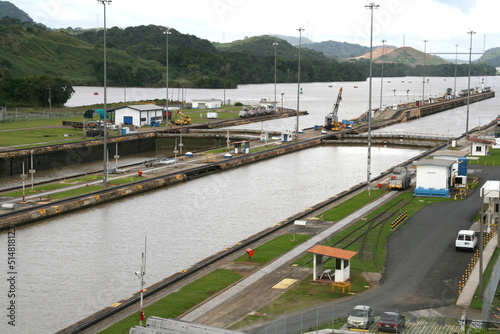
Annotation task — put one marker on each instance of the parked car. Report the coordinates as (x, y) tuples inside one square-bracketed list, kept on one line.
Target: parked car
[(466, 239), (361, 316), (393, 322)]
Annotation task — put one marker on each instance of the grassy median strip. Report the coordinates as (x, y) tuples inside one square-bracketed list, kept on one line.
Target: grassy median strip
[(477, 302), (274, 248), (179, 302), (349, 206)]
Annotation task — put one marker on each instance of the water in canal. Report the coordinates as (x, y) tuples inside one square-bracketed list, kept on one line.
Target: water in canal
[(70, 267)]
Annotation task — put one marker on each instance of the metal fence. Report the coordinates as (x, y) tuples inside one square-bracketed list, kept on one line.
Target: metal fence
[(322, 319), (16, 116), (490, 290)]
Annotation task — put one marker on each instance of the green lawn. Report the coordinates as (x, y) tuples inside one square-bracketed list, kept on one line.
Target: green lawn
[(274, 248), (492, 159), (347, 207)]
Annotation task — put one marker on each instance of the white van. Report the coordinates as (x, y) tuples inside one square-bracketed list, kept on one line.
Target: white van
[(466, 239)]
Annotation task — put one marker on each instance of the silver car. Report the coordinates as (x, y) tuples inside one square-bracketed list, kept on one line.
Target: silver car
[(361, 316)]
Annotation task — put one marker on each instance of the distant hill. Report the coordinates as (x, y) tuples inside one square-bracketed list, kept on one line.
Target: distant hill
[(293, 40), (10, 10), (35, 50), (338, 49), (148, 42), (263, 46), (491, 57), (405, 55)]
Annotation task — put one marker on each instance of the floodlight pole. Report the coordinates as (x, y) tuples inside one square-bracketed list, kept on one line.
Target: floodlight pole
[(275, 44), (105, 148), (382, 79), (167, 32), (456, 61), (298, 84), (371, 6), (468, 84), (423, 80)]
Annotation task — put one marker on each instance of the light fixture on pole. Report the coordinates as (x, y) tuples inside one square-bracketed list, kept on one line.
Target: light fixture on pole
[(371, 6), (275, 44), (456, 60), (423, 80), (382, 78), (105, 125), (298, 84), (166, 32), (468, 84)]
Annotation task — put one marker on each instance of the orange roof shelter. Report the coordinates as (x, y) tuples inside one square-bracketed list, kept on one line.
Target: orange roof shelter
[(342, 261)]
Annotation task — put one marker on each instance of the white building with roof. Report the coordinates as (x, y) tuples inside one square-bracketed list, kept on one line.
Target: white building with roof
[(433, 177), (207, 104), (479, 147), (490, 194), (139, 115)]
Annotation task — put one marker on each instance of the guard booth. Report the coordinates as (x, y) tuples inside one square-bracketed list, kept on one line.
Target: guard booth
[(242, 147), (342, 260), (286, 137)]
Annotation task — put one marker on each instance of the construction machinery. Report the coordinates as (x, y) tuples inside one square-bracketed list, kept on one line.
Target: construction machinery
[(331, 120), (184, 120)]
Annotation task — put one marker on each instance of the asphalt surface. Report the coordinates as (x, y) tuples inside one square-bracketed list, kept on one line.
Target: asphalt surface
[(422, 266)]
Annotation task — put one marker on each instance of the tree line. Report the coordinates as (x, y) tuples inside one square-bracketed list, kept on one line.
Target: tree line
[(33, 90)]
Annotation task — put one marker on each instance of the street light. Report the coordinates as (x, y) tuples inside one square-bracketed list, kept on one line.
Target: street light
[(275, 44), (105, 148), (423, 80), (298, 84), (282, 101), (382, 77), (456, 60), (167, 32), (371, 6), (468, 84)]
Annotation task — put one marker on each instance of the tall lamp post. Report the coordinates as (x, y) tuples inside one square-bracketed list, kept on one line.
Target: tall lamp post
[(275, 44), (298, 84), (105, 148), (371, 6), (382, 78), (423, 80), (456, 61), (167, 32), (468, 84)]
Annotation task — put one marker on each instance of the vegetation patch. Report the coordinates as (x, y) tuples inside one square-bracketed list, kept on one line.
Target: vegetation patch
[(274, 248)]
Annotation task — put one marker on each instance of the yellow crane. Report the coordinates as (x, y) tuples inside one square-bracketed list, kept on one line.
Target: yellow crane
[(184, 120)]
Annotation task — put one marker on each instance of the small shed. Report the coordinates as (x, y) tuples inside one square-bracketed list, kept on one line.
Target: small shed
[(139, 115), (207, 104), (479, 147), (433, 177), (342, 259), (490, 194), (286, 136), (242, 147)]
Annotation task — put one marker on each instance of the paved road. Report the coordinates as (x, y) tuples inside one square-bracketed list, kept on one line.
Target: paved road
[(422, 267)]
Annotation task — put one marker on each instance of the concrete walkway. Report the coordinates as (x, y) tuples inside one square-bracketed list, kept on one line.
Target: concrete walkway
[(298, 250), (472, 283)]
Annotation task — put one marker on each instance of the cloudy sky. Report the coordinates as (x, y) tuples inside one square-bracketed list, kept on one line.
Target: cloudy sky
[(444, 23)]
